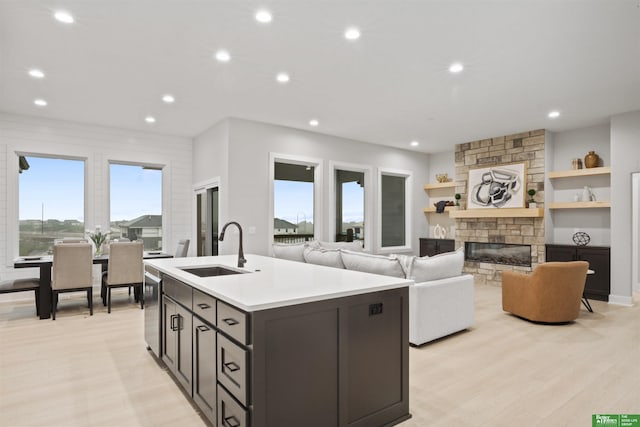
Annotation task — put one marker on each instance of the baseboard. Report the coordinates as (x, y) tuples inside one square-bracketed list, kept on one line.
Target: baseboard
[(621, 300)]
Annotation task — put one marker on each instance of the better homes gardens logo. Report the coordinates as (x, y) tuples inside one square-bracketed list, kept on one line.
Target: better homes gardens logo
[(619, 420)]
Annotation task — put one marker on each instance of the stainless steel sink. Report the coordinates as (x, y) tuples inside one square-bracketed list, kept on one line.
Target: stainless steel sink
[(211, 271)]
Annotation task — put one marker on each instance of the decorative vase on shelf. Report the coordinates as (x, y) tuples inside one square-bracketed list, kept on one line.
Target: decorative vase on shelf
[(587, 194), (533, 205), (591, 160)]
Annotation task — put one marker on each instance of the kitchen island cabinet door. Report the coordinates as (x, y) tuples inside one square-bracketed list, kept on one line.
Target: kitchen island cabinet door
[(176, 341), (204, 368)]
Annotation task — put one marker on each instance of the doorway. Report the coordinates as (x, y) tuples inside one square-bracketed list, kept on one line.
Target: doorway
[(207, 221), (635, 230)]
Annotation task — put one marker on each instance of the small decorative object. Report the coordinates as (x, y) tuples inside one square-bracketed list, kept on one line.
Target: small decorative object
[(98, 238), (457, 197), (587, 194), (576, 163), (591, 160), (442, 177), (439, 232), (581, 238), (576, 197), (532, 202)]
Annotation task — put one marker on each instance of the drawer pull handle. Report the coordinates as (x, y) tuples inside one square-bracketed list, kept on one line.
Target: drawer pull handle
[(231, 366), (231, 421), (203, 328), (174, 317), (204, 306), (231, 322)]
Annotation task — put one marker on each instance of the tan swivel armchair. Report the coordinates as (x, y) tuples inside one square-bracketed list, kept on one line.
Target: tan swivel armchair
[(124, 269), (72, 268), (551, 294)]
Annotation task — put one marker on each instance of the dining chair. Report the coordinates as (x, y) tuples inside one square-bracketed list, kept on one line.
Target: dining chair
[(124, 269), (70, 240), (22, 285), (71, 272), (182, 249)]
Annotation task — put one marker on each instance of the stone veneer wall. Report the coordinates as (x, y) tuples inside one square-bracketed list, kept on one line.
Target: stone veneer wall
[(525, 147)]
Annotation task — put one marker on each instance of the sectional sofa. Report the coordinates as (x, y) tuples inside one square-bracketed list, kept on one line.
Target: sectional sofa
[(440, 300)]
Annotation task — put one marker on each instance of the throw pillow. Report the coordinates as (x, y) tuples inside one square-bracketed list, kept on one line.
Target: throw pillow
[(367, 263), (439, 266), (290, 251), (406, 262), (321, 256)]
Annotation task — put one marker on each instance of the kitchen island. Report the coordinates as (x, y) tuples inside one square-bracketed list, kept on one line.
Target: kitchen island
[(282, 343)]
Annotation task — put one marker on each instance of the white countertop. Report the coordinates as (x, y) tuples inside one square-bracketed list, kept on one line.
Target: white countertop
[(278, 282)]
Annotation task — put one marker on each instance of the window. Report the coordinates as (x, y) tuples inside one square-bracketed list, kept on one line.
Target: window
[(394, 209), (349, 188), (50, 202), (136, 204), (293, 202)]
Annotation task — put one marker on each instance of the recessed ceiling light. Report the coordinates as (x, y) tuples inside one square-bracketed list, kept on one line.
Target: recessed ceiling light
[(63, 16), (352, 33), (263, 16), (223, 56), (36, 74), (456, 67), (150, 119), (414, 143), (314, 122), (553, 114), (40, 102), (283, 77), (169, 99)]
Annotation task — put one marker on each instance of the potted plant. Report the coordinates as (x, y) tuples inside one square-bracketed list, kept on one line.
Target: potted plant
[(532, 202), (457, 196), (98, 238)]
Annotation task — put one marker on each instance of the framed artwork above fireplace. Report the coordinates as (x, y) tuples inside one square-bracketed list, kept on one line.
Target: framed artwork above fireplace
[(497, 187)]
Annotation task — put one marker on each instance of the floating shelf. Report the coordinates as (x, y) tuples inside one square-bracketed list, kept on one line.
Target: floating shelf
[(448, 184), (573, 173), (498, 213), (579, 205), (433, 210)]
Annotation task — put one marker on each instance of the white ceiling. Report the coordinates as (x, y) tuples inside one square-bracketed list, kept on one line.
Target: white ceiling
[(522, 59)]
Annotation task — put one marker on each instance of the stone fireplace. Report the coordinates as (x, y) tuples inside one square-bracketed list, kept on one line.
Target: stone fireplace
[(527, 233)]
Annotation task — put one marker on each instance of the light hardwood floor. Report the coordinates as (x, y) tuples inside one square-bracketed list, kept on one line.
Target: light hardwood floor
[(96, 371)]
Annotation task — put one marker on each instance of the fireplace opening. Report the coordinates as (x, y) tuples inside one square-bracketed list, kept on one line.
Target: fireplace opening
[(498, 253)]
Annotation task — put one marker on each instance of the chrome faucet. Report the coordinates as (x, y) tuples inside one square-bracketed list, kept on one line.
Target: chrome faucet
[(241, 259)]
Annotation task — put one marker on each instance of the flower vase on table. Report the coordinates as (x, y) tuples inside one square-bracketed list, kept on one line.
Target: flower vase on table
[(98, 238)]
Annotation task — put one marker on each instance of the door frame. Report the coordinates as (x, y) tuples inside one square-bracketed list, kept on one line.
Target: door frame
[(201, 188)]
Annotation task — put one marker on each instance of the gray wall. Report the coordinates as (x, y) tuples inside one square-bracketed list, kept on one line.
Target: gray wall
[(625, 159), (249, 145)]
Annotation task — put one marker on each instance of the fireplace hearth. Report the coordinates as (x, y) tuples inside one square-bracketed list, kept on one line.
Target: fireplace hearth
[(498, 253)]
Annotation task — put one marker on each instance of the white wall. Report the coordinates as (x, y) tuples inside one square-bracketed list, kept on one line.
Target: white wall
[(98, 145), (250, 144), (562, 224), (625, 159)]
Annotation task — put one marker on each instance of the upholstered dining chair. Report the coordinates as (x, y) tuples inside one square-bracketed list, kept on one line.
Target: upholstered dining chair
[(551, 294), (71, 272), (22, 285), (124, 269), (182, 249)]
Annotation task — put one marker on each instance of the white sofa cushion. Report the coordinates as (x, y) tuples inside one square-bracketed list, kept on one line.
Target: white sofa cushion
[(321, 256), (290, 251), (406, 262), (439, 266), (355, 246), (376, 264)]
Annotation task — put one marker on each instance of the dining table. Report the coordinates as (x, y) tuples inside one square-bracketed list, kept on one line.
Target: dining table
[(45, 262)]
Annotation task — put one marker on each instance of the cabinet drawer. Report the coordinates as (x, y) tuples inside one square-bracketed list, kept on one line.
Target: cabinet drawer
[(230, 413), (233, 368), (204, 306), (233, 322), (178, 291)]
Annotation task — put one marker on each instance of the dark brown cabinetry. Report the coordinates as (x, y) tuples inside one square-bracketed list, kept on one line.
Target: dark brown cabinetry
[(431, 247), (598, 285), (339, 362)]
